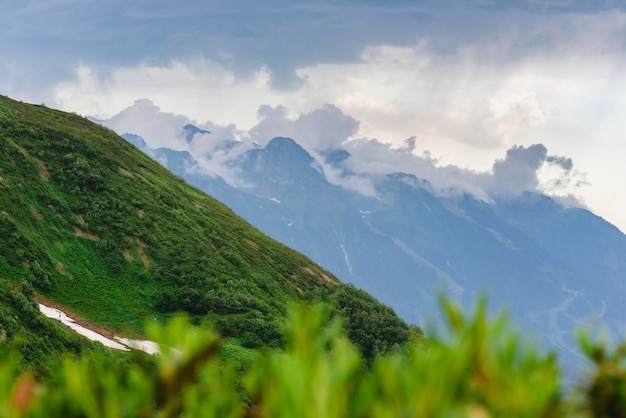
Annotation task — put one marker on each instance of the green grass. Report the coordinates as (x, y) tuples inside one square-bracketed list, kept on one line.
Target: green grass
[(97, 226)]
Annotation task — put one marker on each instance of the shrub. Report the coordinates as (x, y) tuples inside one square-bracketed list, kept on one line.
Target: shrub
[(481, 368)]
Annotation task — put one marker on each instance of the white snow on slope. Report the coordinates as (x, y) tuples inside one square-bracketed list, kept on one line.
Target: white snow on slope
[(123, 344), (69, 322), (149, 347)]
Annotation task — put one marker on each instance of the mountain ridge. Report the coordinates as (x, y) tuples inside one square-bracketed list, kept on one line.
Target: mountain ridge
[(555, 266)]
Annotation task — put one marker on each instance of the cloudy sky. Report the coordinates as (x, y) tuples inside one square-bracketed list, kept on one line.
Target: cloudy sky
[(529, 91)]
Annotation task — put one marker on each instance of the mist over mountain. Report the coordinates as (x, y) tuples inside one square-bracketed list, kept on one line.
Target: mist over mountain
[(325, 131), (403, 228)]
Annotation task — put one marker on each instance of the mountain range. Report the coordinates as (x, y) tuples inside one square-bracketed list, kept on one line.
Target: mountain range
[(556, 267)]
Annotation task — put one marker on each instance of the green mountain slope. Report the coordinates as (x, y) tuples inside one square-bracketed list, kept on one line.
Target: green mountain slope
[(100, 228)]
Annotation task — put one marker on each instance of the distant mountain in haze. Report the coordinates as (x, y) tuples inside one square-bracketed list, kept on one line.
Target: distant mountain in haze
[(556, 267)]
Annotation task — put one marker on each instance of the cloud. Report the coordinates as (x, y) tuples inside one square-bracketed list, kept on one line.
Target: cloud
[(290, 39), (321, 129), (394, 92), (416, 90), (158, 129), (371, 157), (532, 169), (516, 116), (523, 168), (517, 172), (467, 80), (213, 146), (49, 38), (453, 93), (330, 128), (201, 89)]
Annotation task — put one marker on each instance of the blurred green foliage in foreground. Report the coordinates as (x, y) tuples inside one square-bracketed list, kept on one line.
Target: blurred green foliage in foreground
[(482, 368)]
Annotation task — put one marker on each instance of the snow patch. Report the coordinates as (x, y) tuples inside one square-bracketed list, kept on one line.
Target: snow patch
[(123, 344), (146, 346), (69, 322)]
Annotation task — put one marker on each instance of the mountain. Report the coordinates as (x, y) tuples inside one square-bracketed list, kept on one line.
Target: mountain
[(556, 267), (100, 228)]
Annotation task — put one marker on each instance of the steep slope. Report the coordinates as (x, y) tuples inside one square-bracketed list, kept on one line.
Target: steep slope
[(101, 228), (557, 268)]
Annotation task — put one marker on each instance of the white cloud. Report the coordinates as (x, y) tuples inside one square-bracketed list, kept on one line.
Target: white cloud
[(328, 128), (200, 89), (145, 119), (489, 91), (394, 92), (397, 92), (519, 79), (514, 117), (321, 129)]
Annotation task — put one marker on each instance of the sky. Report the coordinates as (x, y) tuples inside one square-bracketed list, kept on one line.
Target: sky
[(485, 96)]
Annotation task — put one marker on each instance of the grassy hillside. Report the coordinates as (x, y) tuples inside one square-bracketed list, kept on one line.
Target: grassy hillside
[(95, 225)]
